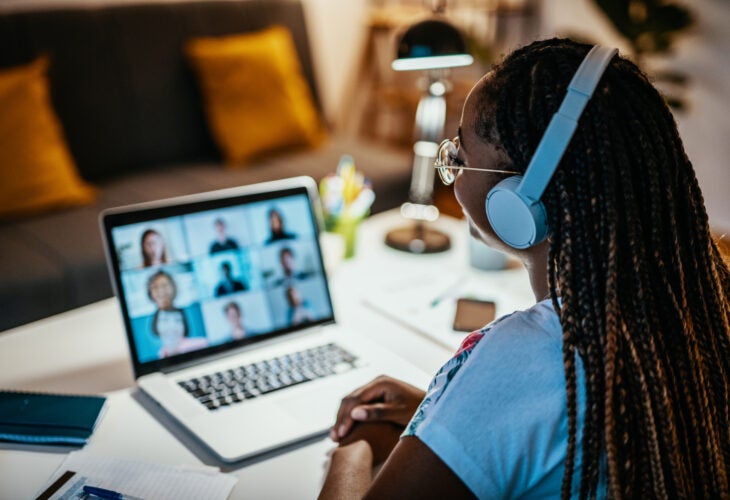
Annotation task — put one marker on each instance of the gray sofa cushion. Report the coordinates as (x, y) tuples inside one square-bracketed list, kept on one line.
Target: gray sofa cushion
[(33, 280)]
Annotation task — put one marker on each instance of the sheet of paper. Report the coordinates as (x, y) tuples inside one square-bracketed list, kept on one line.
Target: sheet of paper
[(426, 302), (143, 479)]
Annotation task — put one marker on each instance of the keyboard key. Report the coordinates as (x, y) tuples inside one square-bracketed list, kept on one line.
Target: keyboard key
[(245, 382)]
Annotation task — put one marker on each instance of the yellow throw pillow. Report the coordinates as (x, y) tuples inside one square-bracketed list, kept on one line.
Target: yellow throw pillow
[(256, 98), (37, 171)]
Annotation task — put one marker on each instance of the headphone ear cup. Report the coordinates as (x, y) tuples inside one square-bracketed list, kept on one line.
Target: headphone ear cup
[(516, 220), (513, 206)]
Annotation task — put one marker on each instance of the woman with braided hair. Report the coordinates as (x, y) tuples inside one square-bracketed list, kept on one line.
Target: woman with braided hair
[(617, 381)]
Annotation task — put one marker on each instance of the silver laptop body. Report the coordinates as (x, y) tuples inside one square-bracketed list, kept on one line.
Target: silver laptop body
[(212, 288)]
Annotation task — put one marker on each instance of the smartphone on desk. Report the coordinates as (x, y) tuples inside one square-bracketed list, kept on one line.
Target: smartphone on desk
[(472, 314)]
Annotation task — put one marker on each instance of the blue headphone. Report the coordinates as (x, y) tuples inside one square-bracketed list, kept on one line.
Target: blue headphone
[(513, 206)]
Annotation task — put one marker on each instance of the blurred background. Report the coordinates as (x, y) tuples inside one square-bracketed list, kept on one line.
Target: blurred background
[(683, 45)]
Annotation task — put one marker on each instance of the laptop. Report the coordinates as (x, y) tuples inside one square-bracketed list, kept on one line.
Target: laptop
[(229, 318)]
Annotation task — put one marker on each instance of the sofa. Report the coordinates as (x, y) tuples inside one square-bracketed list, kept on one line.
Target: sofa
[(133, 119)]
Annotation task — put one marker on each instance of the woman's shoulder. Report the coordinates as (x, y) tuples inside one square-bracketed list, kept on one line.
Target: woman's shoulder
[(537, 326), (522, 343), (521, 352), (507, 352), (502, 393)]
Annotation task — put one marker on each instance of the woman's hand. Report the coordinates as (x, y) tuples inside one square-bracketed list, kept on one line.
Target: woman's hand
[(380, 436), (385, 399)]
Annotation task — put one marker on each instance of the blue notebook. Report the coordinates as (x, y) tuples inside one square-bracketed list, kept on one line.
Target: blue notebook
[(30, 417)]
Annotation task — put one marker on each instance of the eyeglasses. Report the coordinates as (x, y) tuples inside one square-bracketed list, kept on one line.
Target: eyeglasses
[(448, 163)]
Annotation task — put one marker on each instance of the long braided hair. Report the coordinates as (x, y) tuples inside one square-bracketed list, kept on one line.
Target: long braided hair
[(643, 288)]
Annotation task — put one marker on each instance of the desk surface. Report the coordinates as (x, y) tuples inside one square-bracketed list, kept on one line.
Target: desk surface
[(85, 351)]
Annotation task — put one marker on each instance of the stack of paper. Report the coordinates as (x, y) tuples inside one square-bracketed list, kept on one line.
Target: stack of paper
[(134, 479)]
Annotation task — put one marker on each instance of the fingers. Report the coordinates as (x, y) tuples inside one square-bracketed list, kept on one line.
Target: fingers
[(384, 399), (381, 436), (369, 393), (359, 413), (396, 413), (365, 394)]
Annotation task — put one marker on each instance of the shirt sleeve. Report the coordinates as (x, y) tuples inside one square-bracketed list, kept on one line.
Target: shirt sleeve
[(496, 415)]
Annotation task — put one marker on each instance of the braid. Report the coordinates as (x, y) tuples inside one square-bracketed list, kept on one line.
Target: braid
[(643, 290)]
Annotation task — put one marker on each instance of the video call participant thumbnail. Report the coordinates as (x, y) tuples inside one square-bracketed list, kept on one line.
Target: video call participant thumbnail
[(234, 316), (171, 327), (154, 250), (228, 284), (222, 242), (277, 228)]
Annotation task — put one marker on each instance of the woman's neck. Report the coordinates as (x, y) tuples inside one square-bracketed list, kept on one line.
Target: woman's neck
[(535, 261)]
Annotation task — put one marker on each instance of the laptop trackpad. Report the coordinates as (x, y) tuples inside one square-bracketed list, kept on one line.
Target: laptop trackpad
[(318, 405), (233, 433)]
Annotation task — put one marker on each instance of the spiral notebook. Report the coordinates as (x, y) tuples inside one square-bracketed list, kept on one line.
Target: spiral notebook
[(55, 419)]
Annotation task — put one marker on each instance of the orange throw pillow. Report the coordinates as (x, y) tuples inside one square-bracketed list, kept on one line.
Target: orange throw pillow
[(256, 98), (37, 171)]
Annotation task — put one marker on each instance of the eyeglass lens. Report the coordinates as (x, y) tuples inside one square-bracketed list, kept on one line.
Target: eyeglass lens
[(446, 166)]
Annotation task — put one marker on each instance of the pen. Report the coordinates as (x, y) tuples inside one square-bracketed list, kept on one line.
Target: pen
[(447, 292), (108, 494)]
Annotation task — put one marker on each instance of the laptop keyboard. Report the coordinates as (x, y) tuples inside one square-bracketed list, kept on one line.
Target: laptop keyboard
[(249, 381)]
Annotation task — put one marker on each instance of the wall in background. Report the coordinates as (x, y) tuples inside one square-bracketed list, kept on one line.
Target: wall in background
[(337, 32), (702, 54)]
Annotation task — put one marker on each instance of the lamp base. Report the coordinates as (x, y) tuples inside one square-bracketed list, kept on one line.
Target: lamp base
[(418, 238)]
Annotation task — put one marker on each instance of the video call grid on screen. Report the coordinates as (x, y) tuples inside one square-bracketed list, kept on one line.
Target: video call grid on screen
[(210, 277)]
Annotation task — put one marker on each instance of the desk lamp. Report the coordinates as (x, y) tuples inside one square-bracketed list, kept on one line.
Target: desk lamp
[(433, 46)]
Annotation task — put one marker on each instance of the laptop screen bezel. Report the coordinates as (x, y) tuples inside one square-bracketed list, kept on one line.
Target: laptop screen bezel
[(185, 205)]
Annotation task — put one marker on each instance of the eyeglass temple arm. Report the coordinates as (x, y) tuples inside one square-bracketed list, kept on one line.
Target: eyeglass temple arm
[(436, 165)]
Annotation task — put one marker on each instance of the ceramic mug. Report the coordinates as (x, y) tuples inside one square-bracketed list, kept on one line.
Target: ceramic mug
[(483, 257)]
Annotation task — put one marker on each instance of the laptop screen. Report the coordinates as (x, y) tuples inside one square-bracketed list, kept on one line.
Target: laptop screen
[(200, 277)]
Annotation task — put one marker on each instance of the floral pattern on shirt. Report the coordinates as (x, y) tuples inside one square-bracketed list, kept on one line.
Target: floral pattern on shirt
[(443, 377), (446, 373)]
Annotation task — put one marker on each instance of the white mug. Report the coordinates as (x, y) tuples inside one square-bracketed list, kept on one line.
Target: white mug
[(483, 257)]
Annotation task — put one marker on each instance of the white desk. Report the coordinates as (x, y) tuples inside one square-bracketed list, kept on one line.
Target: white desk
[(84, 351)]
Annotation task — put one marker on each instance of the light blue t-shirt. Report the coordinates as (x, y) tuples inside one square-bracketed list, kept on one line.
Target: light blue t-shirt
[(496, 413)]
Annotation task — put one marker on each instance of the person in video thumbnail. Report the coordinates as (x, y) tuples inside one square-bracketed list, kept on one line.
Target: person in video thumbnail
[(161, 289), (299, 310), (276, 225), (289, 268), (222, 241), (169, 323), (171, 327), (154, 251), (234, 316), (228, 284)]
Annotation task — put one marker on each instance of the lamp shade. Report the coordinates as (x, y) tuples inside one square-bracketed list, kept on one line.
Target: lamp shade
[(431, 44)]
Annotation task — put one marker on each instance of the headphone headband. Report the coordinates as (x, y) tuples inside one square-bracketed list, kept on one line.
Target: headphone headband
[(560, 130), (513, 206)]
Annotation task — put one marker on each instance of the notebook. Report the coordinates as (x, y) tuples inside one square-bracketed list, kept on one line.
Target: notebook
[(229, 318), (135, 479), (56, 419)]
